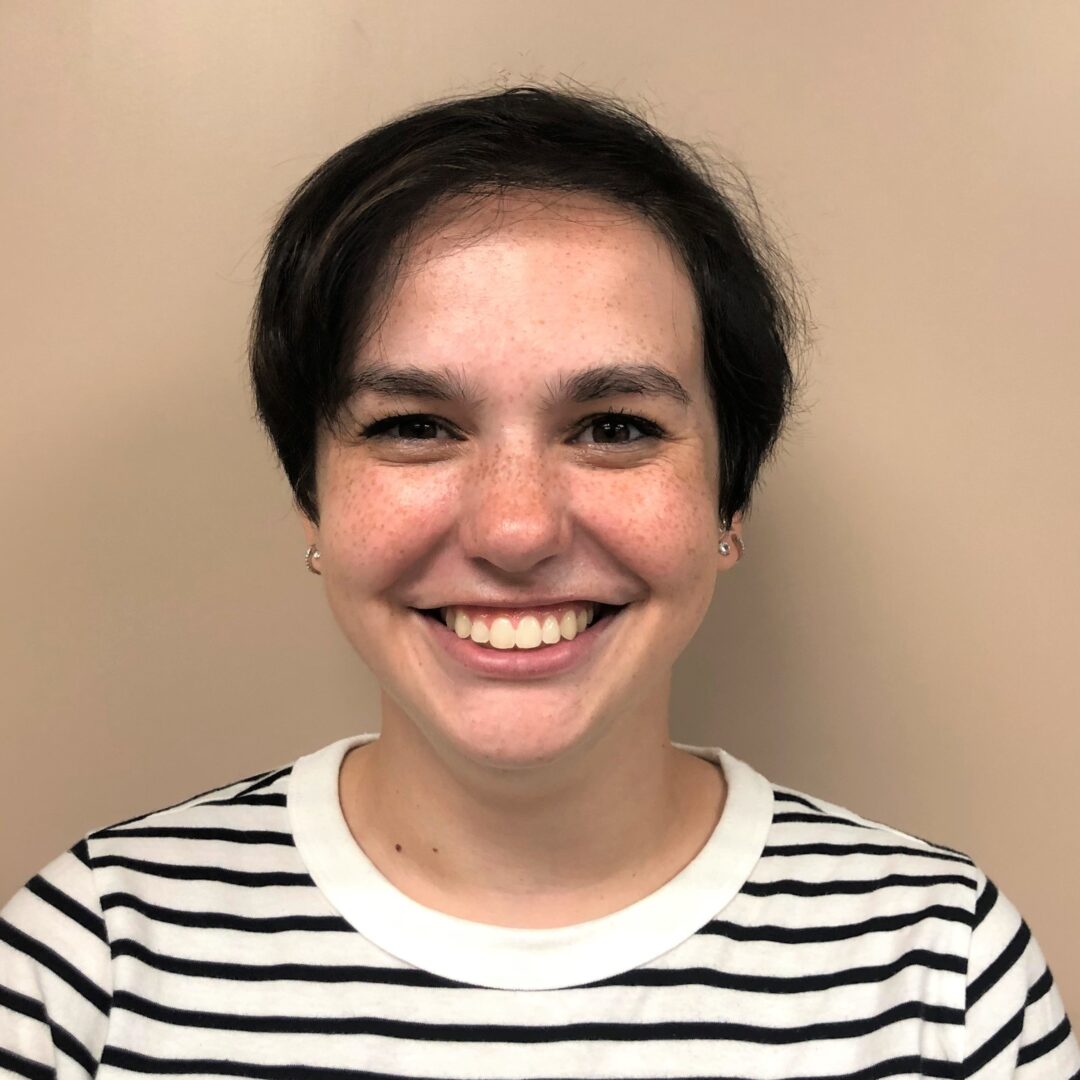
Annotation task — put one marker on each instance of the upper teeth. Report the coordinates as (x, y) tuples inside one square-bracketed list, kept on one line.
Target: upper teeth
[(545, 628)]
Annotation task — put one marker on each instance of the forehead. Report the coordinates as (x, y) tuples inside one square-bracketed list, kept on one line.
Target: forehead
[(567, 279)]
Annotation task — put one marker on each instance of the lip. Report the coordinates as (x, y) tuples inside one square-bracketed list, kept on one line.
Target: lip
[(539, 663), (520, 603)]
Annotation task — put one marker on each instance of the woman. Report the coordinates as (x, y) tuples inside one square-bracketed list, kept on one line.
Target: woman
[(522, 365)]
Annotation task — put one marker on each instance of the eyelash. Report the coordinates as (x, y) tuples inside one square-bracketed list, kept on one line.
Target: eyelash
[(378, 429)]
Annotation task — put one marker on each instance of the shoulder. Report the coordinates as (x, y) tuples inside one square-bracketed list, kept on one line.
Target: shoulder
[(253, 797), (61, 933), (799, 818), (264, 789), (67, 918), (236, 833), (80, 884), (877, 883), (878, 874), (248, 811)]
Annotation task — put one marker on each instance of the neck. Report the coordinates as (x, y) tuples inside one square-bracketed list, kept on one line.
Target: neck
[(546, 846)]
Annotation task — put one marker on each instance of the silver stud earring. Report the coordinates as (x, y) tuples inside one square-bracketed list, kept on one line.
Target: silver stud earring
[(311, 557), (724, 547)]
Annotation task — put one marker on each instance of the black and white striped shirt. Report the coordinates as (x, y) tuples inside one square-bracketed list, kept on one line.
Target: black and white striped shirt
[(244, 933)]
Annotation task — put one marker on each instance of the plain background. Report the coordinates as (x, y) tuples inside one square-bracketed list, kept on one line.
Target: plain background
[(902, 635)]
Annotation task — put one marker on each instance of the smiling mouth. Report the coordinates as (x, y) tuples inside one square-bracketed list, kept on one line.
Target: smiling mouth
[(522, 631)]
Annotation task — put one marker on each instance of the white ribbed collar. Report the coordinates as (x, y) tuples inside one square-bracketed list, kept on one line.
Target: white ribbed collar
[(524, 959)]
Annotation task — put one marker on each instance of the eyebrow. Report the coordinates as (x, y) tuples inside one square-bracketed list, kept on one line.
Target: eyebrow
[(440, 384), (611, 380), (590, 384)]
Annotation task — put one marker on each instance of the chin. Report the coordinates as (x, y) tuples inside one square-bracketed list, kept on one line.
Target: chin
[(517, 735)]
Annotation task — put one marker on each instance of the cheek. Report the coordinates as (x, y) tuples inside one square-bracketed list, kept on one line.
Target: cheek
[(376, 522), (659, 520), (379, 522)]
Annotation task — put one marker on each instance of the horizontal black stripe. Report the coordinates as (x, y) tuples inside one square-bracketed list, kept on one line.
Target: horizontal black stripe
[(1041, 1047), (852, 887), (223, 920), (256, 879), (1040, 987), (789, 850), (23, 1005), (55, 963), (821, 814), (81, 851), (1004, 962), (801, 935), (802, 800), (1003, 1037), (607, 1031), (643, 977), (818, 818), (253, 782), (75, 911), (907, 1066), (273, 799), (63, 1040), (312, 973), (129, 1061), (942, 1070), (785, 984), (176, 832), (985, 903), (21, 1066), (264, 781)]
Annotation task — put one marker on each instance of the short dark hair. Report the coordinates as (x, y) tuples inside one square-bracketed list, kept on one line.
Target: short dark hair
[(341, 236)]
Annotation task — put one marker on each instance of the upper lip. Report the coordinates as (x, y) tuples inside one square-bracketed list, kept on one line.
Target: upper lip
[(521, 602)]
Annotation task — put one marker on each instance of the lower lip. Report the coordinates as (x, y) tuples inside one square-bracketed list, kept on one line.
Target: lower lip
[(544, 660)]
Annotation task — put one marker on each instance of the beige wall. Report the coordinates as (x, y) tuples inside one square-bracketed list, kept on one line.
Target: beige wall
[(902, 637)]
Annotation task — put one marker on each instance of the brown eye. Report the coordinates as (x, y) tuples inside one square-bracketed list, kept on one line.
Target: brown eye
[(610, 428), (611, 431), (417, 428), (414, 427)]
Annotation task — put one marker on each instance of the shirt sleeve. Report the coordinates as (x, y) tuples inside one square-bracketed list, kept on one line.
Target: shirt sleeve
[(55, 976), (1015, 1022)]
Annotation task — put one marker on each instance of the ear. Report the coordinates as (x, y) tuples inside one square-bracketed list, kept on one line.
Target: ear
[(309, 527)]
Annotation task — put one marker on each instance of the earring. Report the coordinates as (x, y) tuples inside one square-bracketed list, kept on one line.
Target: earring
[(724, 547), (311, 557)]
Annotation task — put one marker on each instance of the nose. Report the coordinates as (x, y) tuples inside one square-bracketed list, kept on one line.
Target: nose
[(514, 512)]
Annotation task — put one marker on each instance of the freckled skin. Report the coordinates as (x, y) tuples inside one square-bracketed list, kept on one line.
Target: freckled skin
[(513, 296)]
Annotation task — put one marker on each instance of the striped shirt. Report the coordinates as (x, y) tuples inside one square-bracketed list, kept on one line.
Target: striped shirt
[(244, 933)]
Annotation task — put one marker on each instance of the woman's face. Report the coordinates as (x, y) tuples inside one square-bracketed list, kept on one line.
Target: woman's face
[(507, 491)]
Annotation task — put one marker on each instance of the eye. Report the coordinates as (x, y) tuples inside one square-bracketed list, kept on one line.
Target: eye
[(618, 427), (406, 427)]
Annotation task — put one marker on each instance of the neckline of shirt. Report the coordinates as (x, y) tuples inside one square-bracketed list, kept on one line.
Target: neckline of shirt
[(524, 959)]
